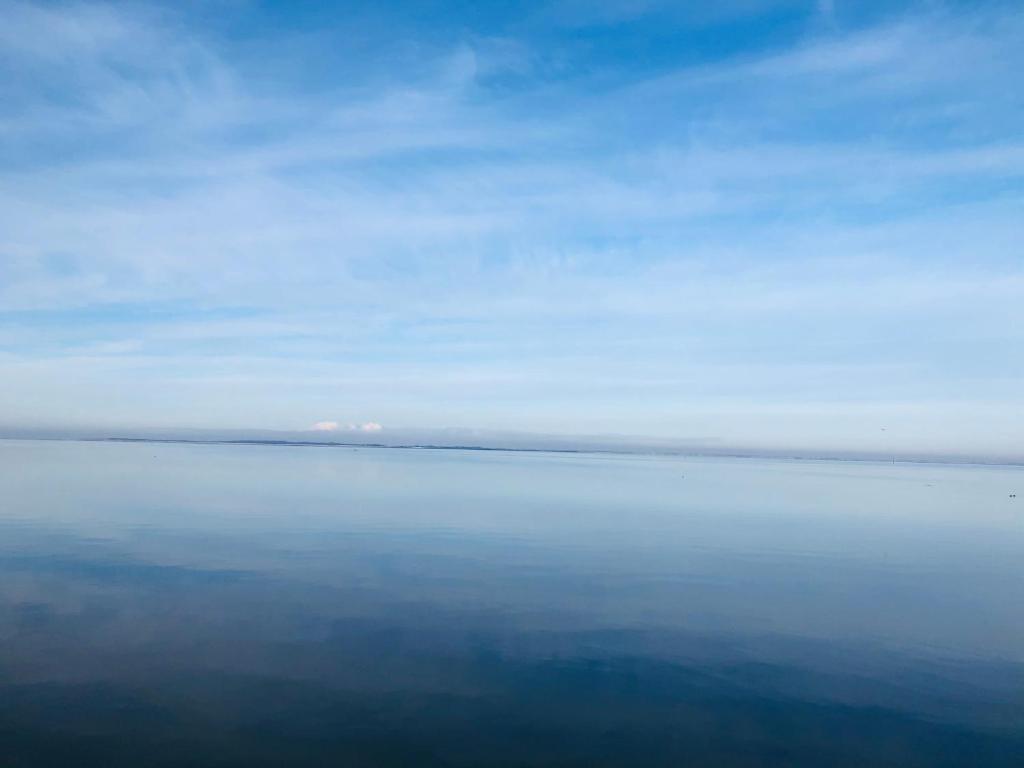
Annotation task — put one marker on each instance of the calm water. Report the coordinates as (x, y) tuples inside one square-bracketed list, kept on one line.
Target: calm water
[(207, 605)]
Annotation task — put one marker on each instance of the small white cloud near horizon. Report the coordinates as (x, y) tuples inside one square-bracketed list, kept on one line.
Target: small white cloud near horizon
[(333, 426), (324, 426)]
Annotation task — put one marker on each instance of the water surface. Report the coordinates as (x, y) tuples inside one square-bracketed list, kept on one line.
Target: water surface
[(217, 605)]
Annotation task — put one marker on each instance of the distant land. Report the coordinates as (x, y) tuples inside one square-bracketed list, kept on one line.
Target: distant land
[(486, 440)]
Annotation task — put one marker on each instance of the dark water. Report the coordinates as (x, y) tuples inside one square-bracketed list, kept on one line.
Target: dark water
[(201, 605)]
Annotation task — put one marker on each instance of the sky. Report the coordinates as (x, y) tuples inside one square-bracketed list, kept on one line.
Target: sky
[(769, 223)]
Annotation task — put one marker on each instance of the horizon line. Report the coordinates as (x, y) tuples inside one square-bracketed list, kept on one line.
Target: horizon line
[(770, 454)]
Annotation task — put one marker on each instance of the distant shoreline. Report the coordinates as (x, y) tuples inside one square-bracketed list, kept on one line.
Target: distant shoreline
[(639, 451)]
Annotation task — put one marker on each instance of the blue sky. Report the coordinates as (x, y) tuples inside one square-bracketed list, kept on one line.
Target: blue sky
[(764, 223)]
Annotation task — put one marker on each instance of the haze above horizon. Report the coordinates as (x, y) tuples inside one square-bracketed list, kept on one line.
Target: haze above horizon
[(776, 225)]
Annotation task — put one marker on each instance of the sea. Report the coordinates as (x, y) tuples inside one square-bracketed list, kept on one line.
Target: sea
[(175, 604)]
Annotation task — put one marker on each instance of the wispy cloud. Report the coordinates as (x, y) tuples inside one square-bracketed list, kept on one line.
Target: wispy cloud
[(510, 213)]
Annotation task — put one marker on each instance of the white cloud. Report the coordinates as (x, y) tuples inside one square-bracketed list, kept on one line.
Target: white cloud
[(334, 426)]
